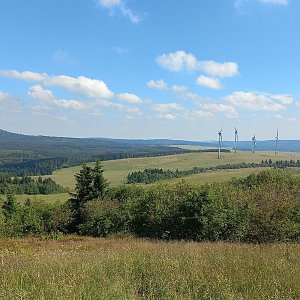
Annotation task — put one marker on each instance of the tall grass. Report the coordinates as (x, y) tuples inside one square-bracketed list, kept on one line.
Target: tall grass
[(86, 268)]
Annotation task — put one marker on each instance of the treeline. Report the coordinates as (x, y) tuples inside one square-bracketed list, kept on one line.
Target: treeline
[(155, 174), (46, 166), (29, 186), (263, 207)]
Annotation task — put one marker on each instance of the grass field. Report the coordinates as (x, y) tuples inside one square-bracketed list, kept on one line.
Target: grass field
[(87, 268), (117, 170), (63, 197)]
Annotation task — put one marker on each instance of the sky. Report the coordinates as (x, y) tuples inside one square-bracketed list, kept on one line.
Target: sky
[(150, 69)]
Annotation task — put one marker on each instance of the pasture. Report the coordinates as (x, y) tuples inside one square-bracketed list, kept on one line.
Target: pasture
[(128, 268), (117, 170)]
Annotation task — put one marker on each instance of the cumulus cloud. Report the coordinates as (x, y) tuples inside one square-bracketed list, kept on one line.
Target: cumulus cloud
[(283, 99), (131, 98), (178, 61), (81, 85), (181, 60), (257, 102), (120, 6), (228, 110), (47, 98), (27, 75), (212, 83), (226, 69), (38, 93), (157, 84)]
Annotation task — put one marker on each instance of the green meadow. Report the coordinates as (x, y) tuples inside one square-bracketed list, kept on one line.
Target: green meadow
[(116, 171)]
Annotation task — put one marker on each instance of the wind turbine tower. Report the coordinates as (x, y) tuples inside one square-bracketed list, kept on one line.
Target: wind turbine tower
[(220, 143), (253, 143), (276, 143), (236, 139)]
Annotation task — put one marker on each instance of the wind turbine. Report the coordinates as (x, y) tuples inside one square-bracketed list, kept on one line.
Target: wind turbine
[(253, 143), (220, 143), (236, 139), (276, 142)]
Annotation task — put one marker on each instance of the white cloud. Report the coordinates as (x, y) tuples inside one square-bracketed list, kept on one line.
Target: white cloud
[(212, 83), (9, 103), (166, 107), (183, 93), (38, 93), (178, 61), (131, 98), (179, 88), (27, 75), (281, 2), (46, 96), (226, 69), (169, 117), (254, 101), (121, 6), (73, 104), (81, 85), (228, 110), (109, 3), (197, 114), (118, 106), (157, 84), (181, 60), (283, 99)]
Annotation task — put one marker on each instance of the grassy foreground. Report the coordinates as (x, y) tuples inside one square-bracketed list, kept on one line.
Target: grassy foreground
[(87, 268)]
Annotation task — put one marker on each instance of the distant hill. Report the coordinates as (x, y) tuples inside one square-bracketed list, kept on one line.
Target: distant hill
[(37, 155)]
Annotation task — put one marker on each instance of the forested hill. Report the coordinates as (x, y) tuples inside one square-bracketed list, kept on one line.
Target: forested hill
[(23, 155), (39, 155)]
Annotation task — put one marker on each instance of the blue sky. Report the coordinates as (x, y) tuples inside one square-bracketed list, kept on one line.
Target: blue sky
[(150, 69)]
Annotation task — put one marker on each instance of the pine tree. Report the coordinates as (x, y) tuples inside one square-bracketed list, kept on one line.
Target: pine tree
[(100, 184), (90, 185), (9, 206)]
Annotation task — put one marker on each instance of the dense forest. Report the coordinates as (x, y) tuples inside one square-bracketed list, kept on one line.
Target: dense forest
[(27, 185), (152, 175), (263, 207)]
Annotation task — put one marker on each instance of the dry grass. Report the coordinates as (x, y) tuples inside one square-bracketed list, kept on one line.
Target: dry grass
[(87, 268), (60, 198)]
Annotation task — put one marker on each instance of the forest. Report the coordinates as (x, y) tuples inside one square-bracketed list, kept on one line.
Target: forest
[(263, 207), (29, 186)]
